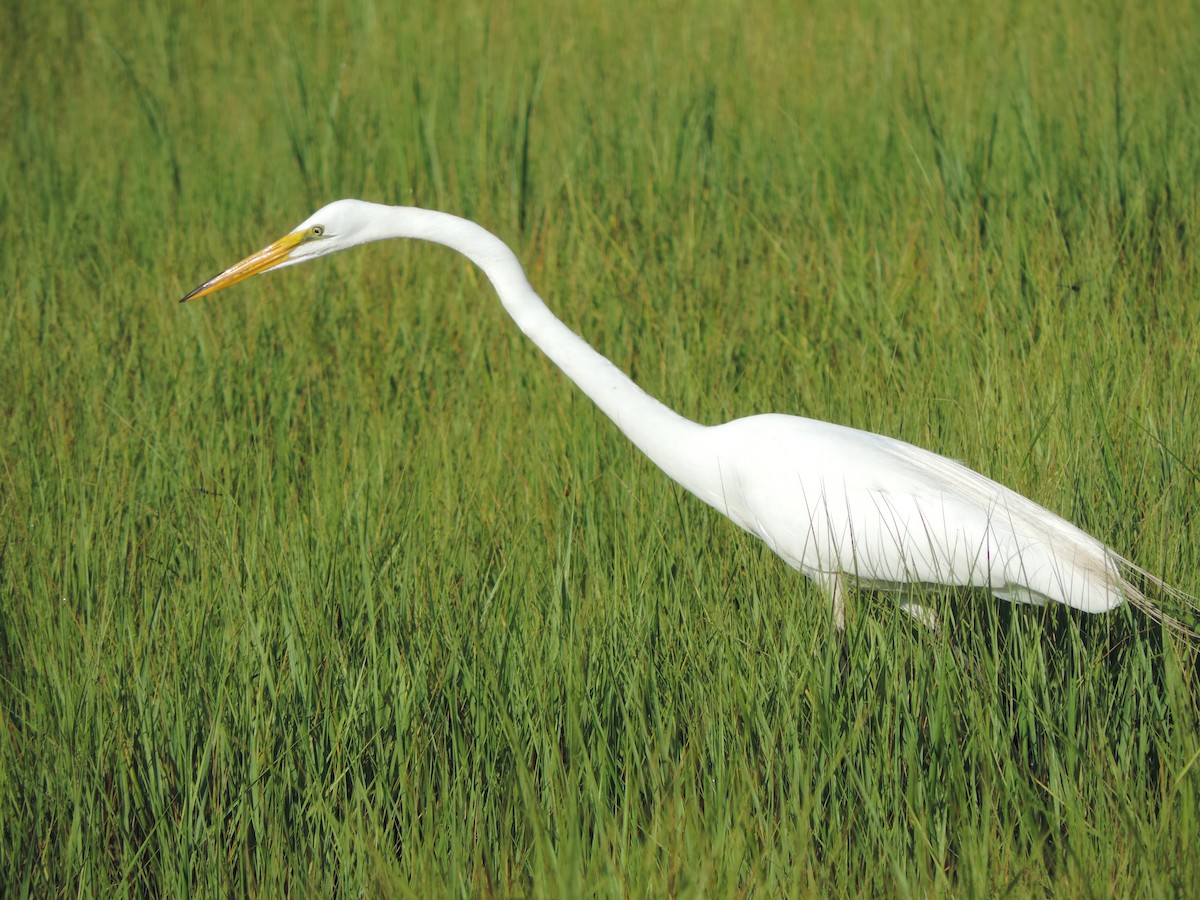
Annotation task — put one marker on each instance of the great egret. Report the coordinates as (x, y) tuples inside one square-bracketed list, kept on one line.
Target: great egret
[(833, 502)]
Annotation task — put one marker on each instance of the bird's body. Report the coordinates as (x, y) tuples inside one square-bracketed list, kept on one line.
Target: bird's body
[(834, 502), (894, 516)]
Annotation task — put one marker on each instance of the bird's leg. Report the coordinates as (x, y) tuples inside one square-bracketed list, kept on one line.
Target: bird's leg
[(832, 584), (923, 614)]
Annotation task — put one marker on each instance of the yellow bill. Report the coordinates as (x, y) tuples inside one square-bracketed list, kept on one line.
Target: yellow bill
[(264, 259)]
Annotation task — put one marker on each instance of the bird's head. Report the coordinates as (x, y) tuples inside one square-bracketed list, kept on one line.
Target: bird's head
[(341, 224)]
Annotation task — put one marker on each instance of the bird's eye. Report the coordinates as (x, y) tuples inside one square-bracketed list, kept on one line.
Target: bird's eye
[(317, 230)]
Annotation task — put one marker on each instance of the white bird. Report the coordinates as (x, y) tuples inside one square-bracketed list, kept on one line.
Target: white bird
[(834, 502)]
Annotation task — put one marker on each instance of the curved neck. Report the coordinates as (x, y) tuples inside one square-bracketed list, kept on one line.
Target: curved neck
[(667, 438)]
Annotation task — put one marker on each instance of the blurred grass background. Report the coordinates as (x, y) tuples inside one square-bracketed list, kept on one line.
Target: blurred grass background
[(333, 584)]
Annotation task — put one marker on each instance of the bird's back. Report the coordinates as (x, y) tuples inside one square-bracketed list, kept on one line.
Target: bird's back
[(831, 499)]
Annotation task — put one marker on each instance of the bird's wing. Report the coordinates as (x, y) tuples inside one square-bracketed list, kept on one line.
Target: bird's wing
[(828, 498)]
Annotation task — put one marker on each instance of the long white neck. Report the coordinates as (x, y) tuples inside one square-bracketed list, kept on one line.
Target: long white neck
[(673, 443)]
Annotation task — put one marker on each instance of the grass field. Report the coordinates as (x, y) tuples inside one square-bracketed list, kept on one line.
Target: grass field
[(332, 584)]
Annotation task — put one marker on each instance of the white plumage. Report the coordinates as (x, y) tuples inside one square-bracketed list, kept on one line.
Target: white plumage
[(833, 502)]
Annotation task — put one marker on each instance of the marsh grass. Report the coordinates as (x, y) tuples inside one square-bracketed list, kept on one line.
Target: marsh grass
[(334, 585)]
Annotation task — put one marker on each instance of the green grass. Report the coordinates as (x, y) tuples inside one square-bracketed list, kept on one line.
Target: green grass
[(333, 584)]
